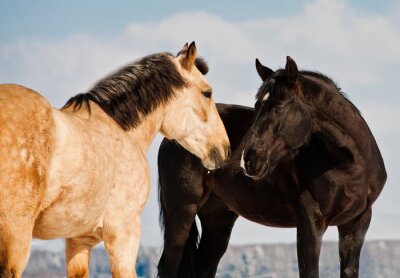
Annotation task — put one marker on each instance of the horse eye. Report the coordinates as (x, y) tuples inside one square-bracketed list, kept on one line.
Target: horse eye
[(207, 94)]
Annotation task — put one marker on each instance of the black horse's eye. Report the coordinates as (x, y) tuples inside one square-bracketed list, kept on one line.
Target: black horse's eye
[(207, 94)]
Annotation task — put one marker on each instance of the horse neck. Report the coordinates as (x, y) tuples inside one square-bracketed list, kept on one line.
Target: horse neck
[(144, 133), (339, 124)]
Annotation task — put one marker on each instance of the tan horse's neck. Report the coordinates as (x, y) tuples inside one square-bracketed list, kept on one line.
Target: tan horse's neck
[(142, 135)]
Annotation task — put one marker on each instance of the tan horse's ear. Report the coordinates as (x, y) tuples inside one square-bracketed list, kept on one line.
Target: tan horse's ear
[(183, 50), (188, 56)]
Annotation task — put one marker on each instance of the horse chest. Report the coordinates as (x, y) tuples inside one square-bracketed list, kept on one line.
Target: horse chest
[(79, 207), (85, 174), (340, 195)]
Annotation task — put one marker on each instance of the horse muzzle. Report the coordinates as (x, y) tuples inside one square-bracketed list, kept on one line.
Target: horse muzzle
[(251, 166), (217, 158)]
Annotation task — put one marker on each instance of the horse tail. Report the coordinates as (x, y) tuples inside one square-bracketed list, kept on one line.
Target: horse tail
[(161, 217), (161, 220), (193, 239), (185, 237), (191, 245), (189, 251)]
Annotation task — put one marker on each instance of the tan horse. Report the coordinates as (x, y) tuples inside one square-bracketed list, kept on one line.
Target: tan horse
[(81, 173)]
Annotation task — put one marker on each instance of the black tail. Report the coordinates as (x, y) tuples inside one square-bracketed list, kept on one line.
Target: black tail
[(161, 217), (193, 240), (161, 220), (186, 265), (180, 243), (189, 252)]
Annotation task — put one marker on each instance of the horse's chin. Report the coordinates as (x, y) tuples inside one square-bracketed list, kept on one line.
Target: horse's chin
[(210, 164), (214, 160), (262, 173)]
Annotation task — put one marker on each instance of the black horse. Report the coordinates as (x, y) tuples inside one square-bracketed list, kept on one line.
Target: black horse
[(310, 162)]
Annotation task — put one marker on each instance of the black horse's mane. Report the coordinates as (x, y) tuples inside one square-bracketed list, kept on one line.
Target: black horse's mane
[(329, 80), (137, 89), (324, 78), (316, 75)]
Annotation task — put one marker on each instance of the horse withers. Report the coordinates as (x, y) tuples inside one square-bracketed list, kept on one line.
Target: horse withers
[(81, 173), (310, 162)]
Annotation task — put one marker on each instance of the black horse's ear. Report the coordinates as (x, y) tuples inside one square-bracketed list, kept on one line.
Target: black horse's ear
[(291, 70), (263, 71)]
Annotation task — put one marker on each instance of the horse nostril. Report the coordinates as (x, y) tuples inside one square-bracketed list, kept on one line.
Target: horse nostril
[(249, 167), (215, 155)]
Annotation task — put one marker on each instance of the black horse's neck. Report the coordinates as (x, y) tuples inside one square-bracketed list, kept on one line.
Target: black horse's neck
[(337, 121)]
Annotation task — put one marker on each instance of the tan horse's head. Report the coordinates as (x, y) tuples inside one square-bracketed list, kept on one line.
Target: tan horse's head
[(191, 118)]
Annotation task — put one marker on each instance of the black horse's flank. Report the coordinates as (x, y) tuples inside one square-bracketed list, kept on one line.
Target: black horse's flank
[(311, 162)]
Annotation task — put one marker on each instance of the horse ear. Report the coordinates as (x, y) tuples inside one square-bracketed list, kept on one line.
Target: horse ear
[(187, 61), (291, 70), (183, 50), (263, 71)]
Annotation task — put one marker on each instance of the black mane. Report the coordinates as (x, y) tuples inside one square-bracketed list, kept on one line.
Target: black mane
[(324, 78), (134, 91), (279, 73), (328, 80)]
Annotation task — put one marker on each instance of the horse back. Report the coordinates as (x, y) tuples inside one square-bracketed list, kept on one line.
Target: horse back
[(26, 139)]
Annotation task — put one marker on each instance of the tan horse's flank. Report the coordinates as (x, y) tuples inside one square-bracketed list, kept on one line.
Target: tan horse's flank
[(76, 174)]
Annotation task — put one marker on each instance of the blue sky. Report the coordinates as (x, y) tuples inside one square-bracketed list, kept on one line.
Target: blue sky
[(60, 48), (56, 19)]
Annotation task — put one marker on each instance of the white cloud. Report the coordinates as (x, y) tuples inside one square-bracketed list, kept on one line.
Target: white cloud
[(360, 51), (332, 37)]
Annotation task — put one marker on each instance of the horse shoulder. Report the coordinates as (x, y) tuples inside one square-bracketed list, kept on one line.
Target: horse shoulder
[(86, 153), (26, 139), (131, 189)]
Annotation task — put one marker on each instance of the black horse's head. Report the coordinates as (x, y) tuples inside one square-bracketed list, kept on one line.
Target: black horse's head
[(283, 121)]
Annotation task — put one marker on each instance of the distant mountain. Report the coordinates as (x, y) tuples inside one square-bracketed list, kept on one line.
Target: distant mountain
[(379, 259)]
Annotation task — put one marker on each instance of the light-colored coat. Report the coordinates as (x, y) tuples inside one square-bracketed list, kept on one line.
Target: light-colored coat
[(76, 174)]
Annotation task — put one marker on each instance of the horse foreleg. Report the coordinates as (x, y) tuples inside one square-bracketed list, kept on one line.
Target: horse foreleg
[(77, 255), (15, 243), (216, 224), (121, 240), (310, 229), (351, 239)]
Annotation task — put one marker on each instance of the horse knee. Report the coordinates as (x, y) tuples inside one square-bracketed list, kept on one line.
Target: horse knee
[(14, 255), (8, 273), (349, 272), (10, 269), (78, 272), (122, 245), (77, 255)]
